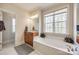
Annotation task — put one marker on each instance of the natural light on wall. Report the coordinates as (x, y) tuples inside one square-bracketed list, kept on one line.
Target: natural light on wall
[(13, 25), (35, 16)]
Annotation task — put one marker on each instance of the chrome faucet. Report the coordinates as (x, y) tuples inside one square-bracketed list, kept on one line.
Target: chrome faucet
[(76, 49)]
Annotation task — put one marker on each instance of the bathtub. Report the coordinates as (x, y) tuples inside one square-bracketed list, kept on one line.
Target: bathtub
[(53, 46)]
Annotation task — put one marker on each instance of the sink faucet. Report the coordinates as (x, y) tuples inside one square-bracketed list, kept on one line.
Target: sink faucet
[(71, 48), (76, 49)]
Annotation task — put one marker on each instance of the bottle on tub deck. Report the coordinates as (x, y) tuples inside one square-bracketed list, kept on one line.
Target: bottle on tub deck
[(69, 39)]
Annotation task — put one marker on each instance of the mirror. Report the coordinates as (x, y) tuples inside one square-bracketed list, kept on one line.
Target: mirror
[(35, 24)]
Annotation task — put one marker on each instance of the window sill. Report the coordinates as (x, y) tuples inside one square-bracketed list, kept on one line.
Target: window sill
[(56, 33)]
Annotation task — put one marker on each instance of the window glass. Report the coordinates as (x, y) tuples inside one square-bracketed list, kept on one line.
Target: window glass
[(56, 21)]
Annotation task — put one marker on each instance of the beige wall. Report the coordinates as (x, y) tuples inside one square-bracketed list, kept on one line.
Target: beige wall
[(21, 19), (78, 13), (0, 32), (75, 22)]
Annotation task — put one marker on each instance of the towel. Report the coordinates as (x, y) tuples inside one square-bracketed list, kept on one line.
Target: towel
[(2, 27)]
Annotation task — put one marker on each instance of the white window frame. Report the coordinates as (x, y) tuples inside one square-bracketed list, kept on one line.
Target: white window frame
[(53, 14)]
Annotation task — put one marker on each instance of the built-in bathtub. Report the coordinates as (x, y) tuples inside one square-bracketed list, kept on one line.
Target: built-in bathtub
[(53, 46)]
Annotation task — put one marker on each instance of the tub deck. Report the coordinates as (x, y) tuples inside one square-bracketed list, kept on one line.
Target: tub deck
[(52, 46)]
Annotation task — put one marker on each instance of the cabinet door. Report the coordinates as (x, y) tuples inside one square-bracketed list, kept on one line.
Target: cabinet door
[(31, 39), (28, 36)]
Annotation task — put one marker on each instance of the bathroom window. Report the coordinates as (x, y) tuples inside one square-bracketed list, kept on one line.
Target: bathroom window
[(49, 23), (56, 21), (13, 25)]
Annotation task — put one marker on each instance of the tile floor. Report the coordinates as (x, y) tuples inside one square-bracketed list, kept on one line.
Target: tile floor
[(8, 49)]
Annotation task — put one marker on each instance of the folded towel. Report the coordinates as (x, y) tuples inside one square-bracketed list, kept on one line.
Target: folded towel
[(2, 27)]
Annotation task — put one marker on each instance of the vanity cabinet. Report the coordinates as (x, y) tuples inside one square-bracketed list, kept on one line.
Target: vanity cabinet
[(28, 38)]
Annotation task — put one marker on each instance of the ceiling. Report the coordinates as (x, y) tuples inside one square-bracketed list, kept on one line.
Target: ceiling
[(29, 7)]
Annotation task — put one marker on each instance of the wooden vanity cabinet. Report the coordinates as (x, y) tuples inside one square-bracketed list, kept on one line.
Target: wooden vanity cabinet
[(28, 38)]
